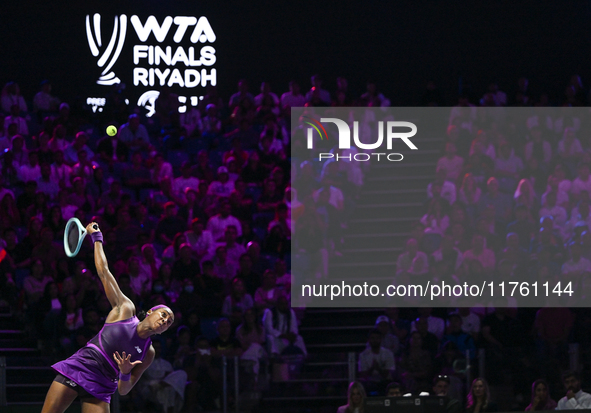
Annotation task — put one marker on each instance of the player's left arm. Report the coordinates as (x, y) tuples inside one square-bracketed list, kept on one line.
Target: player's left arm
[(136, 369)]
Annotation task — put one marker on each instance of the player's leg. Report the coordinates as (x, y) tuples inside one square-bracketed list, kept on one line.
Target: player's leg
[(59, 398), (92, 405)]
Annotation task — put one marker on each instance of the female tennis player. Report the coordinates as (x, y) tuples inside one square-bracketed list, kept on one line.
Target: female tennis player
[(116, 357)]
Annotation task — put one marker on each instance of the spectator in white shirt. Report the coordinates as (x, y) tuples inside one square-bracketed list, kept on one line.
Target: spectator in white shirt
[(46, 183), (265, 91), (376, 363), (180, 184), (470, 322), (412, 260), (451, 162), (336, 198), (436, 220), (482, 146), (30, 171), (60, 172), (562, 198), (134, 134), (582, 182), (281, 327), (223, 187), (537, 147), (550, 208), (575, 398), (161, 169), (200, 240), (448, 189), (11, 95), (469, 193), (294, 97), (217, 224), (21, 123), (234, 250)]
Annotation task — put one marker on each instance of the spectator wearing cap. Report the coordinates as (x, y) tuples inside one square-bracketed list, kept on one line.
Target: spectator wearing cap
[(169, 225), (218, 223), (134, 134), (185, 181), (389, 340), (223, 186)]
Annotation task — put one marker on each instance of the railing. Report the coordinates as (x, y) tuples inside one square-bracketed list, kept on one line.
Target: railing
[(574, 364)]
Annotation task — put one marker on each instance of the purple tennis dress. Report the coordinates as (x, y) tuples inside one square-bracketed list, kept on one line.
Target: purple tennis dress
[(93, 367)]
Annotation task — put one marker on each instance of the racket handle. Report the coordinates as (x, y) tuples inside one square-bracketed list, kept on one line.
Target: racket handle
[(95, 227)]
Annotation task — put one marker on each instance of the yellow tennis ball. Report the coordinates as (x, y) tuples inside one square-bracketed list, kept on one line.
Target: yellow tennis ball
[(111, 130)]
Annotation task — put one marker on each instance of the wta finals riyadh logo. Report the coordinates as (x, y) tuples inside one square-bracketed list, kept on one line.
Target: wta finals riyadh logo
[(95, 42), (159, 60)]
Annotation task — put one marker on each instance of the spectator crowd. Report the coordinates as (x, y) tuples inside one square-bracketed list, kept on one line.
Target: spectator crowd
[(197, 211)]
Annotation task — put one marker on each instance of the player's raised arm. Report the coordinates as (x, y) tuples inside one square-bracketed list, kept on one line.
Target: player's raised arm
[(114, 294)]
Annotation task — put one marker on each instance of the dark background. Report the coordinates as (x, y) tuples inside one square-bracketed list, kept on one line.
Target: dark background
[(399, 44)]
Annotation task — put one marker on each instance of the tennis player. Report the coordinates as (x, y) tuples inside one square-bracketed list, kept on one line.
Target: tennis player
[(116, 357)]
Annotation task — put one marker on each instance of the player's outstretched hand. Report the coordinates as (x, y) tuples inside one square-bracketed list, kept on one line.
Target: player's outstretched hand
[(124, 362), (92, 227)]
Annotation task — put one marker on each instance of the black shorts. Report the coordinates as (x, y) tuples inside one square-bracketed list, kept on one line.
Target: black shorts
[(82, 394)]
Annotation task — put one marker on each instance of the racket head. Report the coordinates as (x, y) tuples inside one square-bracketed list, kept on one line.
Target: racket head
[(74, 235)]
